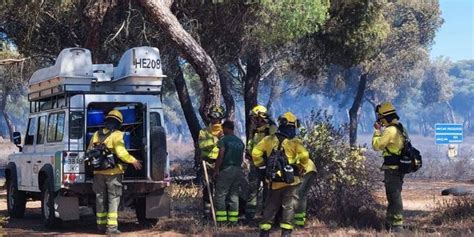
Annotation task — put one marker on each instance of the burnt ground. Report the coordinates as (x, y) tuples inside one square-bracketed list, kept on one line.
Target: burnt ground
[(420, 200)]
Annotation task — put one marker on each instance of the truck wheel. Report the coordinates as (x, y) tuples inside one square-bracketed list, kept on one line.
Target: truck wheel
[(16, 200), (140, 211), (47, 205)]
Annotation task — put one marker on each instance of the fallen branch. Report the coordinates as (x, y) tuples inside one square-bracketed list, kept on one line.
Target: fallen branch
[(12, 60)]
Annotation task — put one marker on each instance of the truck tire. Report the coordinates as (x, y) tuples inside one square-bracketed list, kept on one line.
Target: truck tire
[(140, 211), (16, 200), (47, 205)]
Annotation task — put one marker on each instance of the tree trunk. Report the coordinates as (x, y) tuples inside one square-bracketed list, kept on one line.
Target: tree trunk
[(451, 112), (95, 12), (191, 51), (6, 116), (354, 111), (227, 95), (467, 122), (186, 104), (274, 91), (3, 128), (11, 125), (188, 109), (251, 86)]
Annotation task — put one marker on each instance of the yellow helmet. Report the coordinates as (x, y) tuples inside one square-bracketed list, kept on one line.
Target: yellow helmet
[(259, 111), (289, 118), (385, 109), (115, 114), (217, 112)]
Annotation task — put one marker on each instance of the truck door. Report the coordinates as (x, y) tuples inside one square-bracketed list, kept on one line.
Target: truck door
[(24, 160), (41, 154)]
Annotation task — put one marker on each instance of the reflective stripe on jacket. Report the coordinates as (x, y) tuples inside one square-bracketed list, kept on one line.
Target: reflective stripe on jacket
[(294, 150), (390, 141), (116, 145)]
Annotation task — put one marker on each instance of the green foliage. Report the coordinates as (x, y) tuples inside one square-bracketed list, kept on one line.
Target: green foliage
[(462, 75), (356, 31), (284, 21), (342, 174), (437, 86)]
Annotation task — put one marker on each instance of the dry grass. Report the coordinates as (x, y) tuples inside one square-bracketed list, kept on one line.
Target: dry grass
[(3, 221), (184, 192), (456, 209)]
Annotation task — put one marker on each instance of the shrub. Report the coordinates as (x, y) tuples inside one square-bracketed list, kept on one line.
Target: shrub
[(345, 179), (456, 209)]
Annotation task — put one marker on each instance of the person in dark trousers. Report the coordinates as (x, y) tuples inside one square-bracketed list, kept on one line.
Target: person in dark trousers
[(208, 150), (107, 183), (388, 139), (282, 193), (261, 126), (228, 175)]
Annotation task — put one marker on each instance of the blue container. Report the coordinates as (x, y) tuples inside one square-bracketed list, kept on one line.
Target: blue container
[(129, 114), (95, 117), (127, 139)]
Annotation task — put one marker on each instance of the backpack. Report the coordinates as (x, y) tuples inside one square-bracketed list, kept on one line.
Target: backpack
[(410, 157), (277, 168), (99, 157)]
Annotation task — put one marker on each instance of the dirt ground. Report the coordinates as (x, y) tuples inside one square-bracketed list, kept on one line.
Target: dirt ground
[(420, 199)]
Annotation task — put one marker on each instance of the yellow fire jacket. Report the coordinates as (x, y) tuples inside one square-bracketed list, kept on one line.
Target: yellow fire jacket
[(207, 141), (389, 140), (116, 145), (294, 150), (259, 134)]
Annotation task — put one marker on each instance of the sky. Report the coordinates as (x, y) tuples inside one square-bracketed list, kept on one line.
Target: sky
[(455, 38)]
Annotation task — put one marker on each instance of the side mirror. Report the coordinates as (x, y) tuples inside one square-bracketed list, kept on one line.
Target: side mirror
[(17, 138)]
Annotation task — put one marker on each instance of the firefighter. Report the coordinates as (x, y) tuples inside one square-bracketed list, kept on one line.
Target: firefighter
[(208, 138), (390, 140), (261, 126), (107, 183), (228, 175), (282, 147)]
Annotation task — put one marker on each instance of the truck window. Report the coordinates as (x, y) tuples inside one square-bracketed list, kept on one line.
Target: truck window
[(56, 127), (41, 130), (76, 122), (155, 119), (31, 131)]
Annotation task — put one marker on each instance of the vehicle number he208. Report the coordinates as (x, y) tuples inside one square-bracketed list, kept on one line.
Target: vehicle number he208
[(148, 63)]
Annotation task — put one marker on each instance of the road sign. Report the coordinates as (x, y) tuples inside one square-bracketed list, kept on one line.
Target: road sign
[(447, 133)]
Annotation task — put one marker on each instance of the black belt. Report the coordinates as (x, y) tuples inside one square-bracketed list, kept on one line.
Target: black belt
[(391, 160)]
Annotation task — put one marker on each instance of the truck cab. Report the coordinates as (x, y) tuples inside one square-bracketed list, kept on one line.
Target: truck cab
[(68, 103)]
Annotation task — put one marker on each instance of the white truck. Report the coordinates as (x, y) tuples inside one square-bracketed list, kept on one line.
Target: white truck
[(68, 102)]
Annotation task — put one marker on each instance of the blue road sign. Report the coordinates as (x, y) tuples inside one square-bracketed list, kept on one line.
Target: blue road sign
[(446, 133)]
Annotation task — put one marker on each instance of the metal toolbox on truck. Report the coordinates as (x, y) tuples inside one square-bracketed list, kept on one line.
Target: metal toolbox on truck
[(73, 67)]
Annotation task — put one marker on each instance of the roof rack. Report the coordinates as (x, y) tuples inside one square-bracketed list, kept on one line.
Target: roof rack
[(139, 71)]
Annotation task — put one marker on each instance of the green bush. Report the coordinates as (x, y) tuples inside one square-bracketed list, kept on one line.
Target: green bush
[(343, 191)]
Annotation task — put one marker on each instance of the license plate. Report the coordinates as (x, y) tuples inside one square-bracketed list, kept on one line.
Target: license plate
[(73, 165)]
